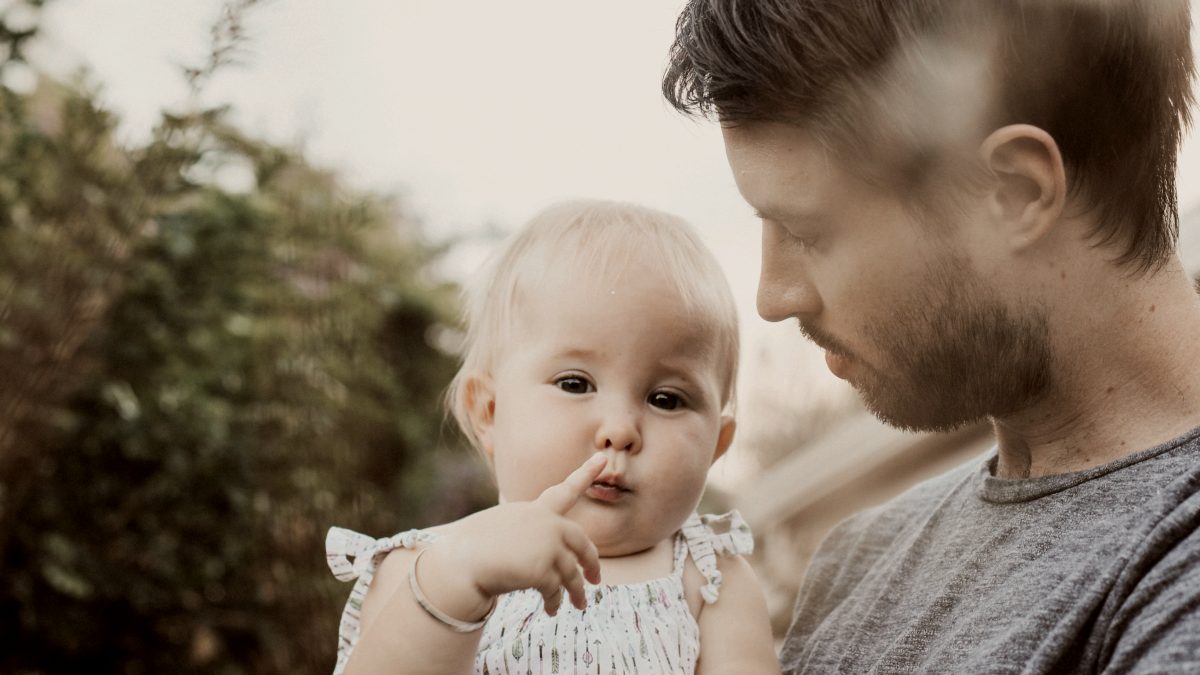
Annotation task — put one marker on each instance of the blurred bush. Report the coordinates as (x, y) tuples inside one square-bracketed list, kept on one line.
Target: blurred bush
[(210, 351)]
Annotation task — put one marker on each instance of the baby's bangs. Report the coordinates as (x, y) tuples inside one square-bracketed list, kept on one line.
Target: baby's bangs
[(598, 241), (604, 240)]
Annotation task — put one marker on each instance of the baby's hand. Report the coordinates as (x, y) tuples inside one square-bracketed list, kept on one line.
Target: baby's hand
[(522, 545)]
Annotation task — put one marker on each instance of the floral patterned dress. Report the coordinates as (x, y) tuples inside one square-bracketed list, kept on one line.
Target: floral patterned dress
[(644, 628)]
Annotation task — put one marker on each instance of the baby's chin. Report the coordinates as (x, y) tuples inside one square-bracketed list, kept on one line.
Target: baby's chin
[(615, 540), (627, 546)]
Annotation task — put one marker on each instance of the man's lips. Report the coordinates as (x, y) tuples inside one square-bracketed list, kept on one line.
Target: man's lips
[(836, 357), (822, 339), (838, 364)]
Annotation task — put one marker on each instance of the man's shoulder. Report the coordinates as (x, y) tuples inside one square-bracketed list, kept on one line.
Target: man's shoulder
[(957, 480), (917, 500), (858, 540), (862, 541)]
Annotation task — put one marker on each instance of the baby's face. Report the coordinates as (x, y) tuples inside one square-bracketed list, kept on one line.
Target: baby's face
[(613, 366)]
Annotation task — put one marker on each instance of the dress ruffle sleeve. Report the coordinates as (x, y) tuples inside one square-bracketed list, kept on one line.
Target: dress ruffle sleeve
[(355, 557), (705, 543)]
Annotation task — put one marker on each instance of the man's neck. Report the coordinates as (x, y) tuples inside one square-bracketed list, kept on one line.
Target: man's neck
[(1123, 381)]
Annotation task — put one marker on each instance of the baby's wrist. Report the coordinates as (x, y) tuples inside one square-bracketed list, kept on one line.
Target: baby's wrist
[(450, 586)]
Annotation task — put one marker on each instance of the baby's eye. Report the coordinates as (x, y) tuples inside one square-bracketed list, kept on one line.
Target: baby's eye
[(665, 400), (573, 384)]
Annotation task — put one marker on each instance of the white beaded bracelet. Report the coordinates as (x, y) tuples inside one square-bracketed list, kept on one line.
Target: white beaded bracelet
[(454, 624)]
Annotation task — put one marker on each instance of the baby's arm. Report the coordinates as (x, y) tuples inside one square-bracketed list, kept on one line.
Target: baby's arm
[(398, 636), (508, 547), (735, 632)]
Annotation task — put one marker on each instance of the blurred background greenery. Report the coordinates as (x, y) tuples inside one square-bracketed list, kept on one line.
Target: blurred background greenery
[(196, 381)]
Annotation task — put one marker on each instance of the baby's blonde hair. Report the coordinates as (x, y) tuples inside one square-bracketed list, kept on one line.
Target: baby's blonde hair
[(598, 237)]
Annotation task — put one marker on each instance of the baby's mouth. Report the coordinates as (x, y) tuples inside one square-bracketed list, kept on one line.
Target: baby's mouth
[(608, 489), (611, 485), (613, 479)]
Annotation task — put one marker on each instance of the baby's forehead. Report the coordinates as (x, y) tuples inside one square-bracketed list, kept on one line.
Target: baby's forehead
[(593, 318), (583, 305), (637, 294), (649, 283)]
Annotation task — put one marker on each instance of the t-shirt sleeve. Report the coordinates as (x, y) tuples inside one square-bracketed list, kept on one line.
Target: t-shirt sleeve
[(1157, 629)]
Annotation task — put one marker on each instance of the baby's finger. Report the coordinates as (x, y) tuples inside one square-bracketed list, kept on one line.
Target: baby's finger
[(561, 497), (572, 581), (551, 596), (585, 552)]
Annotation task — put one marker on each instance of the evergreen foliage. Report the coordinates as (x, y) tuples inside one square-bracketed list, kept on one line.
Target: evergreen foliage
[(210, 351)]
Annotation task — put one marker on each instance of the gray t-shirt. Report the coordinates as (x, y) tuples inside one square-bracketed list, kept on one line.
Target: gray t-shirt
[(1095, 571)]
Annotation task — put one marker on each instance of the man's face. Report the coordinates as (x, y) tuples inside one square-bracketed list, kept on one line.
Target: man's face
[(892, 297)]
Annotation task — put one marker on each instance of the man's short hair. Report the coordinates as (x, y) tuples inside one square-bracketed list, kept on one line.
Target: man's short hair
[(887, 81)]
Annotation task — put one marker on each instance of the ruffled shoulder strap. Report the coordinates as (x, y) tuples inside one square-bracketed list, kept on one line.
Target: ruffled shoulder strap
[(351, 555), (354, 556), (705, 543)]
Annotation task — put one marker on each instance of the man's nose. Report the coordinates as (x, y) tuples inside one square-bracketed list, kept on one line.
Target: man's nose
[(784, 287), (619, 430)]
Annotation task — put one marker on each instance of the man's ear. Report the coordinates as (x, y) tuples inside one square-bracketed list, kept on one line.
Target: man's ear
[(725, 438), (480, 396), (1029, 188)]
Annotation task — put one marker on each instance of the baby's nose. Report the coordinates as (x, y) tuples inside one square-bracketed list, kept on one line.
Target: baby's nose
[(619, 432)]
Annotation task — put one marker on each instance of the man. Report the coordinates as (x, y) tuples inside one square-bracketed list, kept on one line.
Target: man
[(971, 207)]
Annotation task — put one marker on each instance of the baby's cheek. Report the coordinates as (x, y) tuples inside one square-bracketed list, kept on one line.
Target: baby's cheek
[(531, 458), (685, 485), (522, 478)]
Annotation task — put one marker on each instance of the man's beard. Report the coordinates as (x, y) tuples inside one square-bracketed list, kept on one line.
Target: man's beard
[(952, 355)]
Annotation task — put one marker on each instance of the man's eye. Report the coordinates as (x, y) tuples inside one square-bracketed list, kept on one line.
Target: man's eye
[(665, 400), (784, 233), (802, 241), (574, 385)]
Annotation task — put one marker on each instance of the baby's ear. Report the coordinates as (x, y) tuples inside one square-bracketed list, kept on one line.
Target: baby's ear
[(480, 397), (725, 438)]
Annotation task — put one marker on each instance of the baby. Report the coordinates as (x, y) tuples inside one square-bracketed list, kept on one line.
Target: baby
[(598, 382)]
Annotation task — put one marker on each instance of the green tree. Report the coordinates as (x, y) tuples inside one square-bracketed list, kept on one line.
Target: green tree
[(198, 381)]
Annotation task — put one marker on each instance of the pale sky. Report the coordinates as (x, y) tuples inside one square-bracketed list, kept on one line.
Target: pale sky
[(478, 113)]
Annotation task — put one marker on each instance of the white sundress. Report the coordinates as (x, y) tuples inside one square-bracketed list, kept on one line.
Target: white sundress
[(644, 627)]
